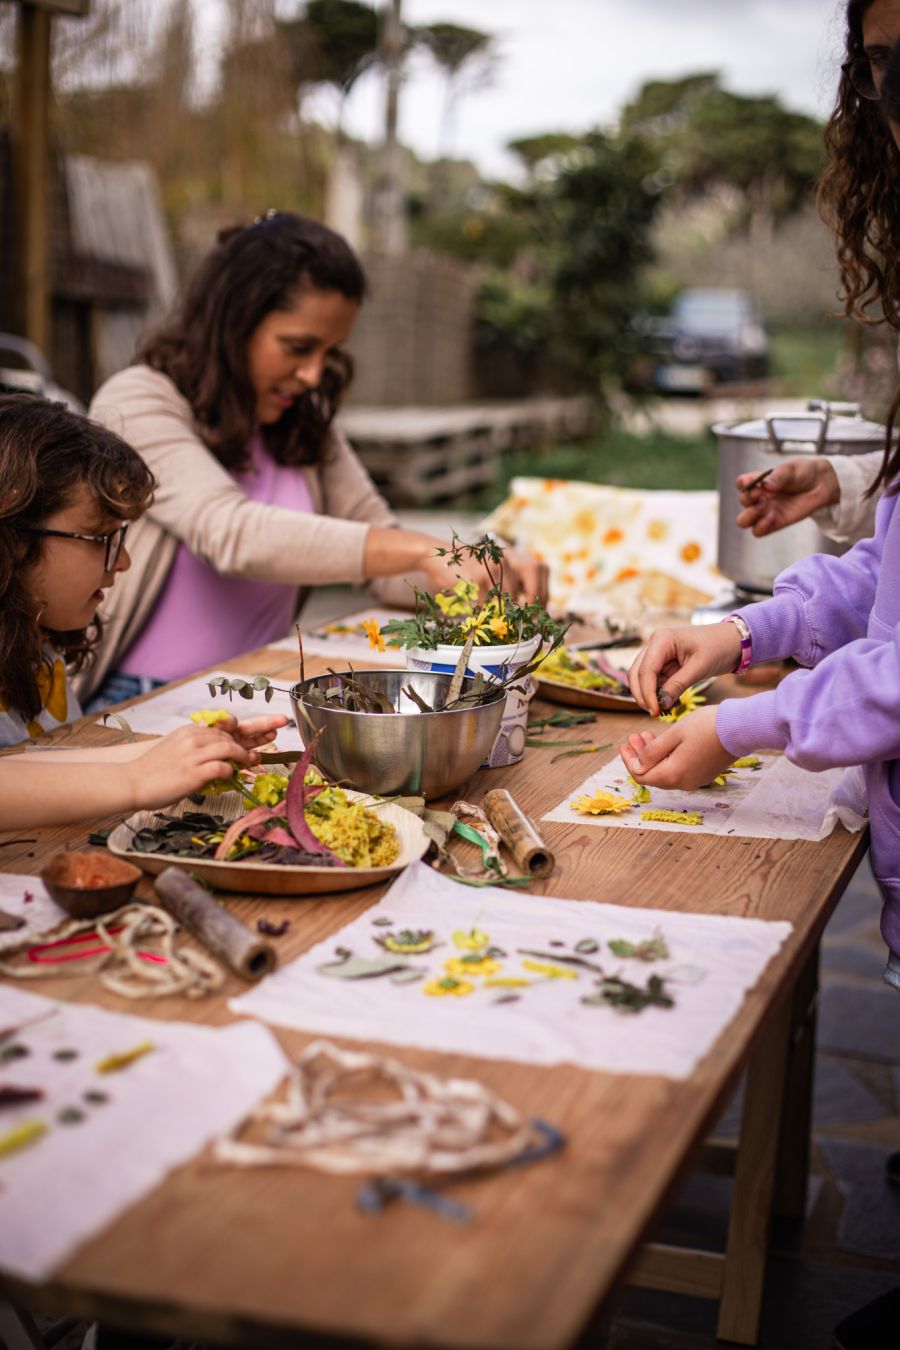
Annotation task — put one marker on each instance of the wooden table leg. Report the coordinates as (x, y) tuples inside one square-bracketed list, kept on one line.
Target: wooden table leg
[(754, 1184), (793, 1149)]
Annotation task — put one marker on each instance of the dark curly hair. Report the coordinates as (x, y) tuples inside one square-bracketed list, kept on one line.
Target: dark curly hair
[(859, 194), (46, 454), (859, 197), (254, 270)]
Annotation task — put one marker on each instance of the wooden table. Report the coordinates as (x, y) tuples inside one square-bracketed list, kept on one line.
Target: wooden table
[(255, 1258)]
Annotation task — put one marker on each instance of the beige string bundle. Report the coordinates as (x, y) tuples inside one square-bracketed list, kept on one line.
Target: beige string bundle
[(122, 969), (426, 1125)]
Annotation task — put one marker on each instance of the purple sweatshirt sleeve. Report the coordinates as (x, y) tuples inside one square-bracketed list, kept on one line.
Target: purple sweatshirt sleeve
[(844, 709)]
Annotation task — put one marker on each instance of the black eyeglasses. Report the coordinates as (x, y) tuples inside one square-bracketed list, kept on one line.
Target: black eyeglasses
[(112, 542), (859, 72)]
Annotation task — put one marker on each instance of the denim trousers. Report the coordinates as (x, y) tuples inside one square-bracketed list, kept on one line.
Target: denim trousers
[(118, 687)]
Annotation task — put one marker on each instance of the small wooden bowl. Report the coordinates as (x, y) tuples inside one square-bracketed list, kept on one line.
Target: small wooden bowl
[(91, 883)]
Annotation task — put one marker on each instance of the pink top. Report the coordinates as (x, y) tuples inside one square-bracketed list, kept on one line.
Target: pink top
[(203, 617)]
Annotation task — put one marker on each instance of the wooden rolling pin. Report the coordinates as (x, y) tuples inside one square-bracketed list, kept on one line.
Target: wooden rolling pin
[(220, 932), (529, 852)]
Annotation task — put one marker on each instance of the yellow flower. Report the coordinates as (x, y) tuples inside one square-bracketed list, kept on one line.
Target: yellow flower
[(270, 788), (208, 717), (601, 803), (448, 985), (498, 626), (373, 633), (748, 762), (479, 624), (674, 817), (550, 972), (472, 941), (459, 599), (461, 967), (721, 779), (220, 785), (641, 793), (689, 702)]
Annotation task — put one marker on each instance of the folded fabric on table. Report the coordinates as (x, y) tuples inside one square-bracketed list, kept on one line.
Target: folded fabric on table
[(116, 1102), (633, 555), (508, 975)]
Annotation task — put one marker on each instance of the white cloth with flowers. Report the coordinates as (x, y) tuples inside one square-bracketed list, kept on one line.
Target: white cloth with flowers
[(712, 962), (98, 1156), (777, 800), (623, 553), (346, 639)]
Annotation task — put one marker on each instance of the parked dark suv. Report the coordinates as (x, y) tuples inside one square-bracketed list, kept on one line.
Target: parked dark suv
[(710, 336)]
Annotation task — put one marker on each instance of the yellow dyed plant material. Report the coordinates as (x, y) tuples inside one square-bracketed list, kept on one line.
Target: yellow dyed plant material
[(674, 817), (28, 1132), (208, 717), (600, 803), (507, 982), (448, 986), (549, 972), (569, 667), (472, 941), (748, 762), (270, 788), (112, 1063), (351, 830), (463, 967), (641, 793), (689, 702)]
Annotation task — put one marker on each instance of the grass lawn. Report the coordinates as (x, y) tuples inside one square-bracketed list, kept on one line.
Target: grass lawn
[(805, 360), (617, 457)]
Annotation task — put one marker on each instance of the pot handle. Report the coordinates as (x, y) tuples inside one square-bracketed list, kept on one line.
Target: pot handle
[(817, 442)]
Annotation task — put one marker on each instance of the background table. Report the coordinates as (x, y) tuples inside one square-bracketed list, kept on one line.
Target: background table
[(256, 1257)]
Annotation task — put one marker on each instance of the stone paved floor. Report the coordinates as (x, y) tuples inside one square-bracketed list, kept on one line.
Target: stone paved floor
[(848, 1251)]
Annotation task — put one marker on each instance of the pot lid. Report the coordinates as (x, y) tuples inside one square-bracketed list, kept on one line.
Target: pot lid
[(822, 426)]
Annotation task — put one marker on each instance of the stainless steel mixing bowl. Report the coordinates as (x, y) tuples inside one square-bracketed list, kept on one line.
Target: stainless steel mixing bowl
[(408, 751)]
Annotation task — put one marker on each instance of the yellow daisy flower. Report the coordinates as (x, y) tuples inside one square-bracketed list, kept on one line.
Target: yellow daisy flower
[(460, 599), (748, 762), (373, 633), (601, 803), (690, 700)]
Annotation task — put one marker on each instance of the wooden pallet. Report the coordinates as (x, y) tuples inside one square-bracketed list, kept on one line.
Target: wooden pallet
[(419, 456)]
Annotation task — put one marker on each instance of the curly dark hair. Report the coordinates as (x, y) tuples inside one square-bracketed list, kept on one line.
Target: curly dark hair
[(859, 194), (254, 270), (859, 197), (46, 454)]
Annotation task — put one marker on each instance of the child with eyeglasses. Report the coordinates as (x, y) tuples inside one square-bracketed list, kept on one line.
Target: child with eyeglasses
[(68, 490)]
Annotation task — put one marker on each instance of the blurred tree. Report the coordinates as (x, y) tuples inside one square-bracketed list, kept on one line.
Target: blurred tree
[(464, 55), (576, 291), (708, 136), (544, 153), (333, 42)]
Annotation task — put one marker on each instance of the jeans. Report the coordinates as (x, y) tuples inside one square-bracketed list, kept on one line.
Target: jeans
[(118, 687)]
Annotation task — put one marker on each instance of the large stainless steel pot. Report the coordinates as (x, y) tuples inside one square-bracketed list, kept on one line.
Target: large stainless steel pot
[(752, 447)]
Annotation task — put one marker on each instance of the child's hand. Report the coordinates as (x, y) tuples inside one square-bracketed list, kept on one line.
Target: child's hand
[(184, 762), (253, 731), (676, 658), (686, 755)]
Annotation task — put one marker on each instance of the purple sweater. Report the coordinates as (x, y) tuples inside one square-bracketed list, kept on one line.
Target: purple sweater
[(840, 617)]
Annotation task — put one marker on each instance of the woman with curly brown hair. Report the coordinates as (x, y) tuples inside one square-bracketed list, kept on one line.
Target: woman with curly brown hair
[(69, 492), (859, 197), (259, 495)]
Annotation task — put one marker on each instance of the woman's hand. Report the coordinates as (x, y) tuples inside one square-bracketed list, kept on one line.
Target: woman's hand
[(686, 755), (187, 759), (676, 658), (792, 491), (524, 577)]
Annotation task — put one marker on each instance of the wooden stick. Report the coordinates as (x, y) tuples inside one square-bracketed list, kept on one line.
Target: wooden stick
[(529, 852), (220, 932)]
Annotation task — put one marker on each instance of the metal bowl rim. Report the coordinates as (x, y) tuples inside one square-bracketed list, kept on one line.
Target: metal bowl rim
[(498, 693)]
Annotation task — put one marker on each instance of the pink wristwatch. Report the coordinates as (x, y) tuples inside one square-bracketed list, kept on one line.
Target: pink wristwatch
[(746, 642)]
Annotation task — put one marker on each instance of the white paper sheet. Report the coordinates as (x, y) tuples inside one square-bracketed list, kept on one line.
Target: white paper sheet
[(39, 911), (548, 1024), (171, 708), (350, 642), (162, 1110), (778, 801)]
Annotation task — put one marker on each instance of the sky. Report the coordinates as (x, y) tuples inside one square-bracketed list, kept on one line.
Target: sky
[(568, 65)]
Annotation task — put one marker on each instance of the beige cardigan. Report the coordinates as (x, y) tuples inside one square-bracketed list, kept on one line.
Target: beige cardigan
[(198, 503)]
